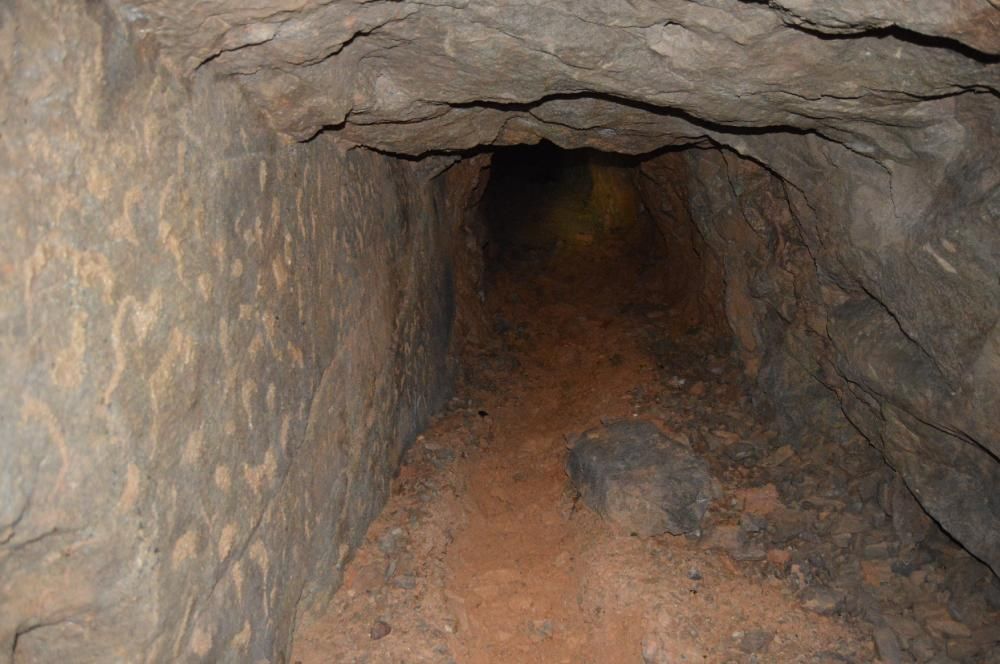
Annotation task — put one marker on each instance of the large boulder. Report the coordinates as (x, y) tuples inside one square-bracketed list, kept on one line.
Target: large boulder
[(635, 476)]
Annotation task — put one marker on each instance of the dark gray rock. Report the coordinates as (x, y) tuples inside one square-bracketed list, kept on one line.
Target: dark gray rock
[(633, 475), (380, 629), (785, 525), (887, 645), (756, 640)]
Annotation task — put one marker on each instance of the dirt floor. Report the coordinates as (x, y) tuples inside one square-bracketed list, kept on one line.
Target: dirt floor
[(483, 553)]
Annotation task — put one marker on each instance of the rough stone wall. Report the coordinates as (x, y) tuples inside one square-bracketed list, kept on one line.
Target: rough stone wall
[(695, 286), (416, 76), (214, 343), (766, 280), (465, 183), (869, 290)]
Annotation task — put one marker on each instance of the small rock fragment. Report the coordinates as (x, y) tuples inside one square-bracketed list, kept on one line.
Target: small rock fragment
[(756, 640), (380, 630), (879, 550), (887, 645), (822, 601), (388, 543), (778, 456), (848, 524), (752, 523), (779, 557), (947, 627), (760, 500), (785, 525), (744, 453), (726, 437)]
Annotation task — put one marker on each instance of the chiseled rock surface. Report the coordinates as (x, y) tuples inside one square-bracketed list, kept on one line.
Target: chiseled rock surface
[(633, 475), (215, 343), (848, 300), (460, 73)]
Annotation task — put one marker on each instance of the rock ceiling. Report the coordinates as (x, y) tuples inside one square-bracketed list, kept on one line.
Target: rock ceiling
[(627, 75)]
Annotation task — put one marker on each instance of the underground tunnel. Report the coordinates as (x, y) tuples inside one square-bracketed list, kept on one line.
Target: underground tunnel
[(386, 331)]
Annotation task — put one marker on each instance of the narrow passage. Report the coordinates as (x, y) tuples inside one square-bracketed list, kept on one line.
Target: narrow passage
[(484, 553)]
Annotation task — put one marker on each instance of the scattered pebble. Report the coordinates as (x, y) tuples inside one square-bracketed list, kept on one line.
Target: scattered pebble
[(887, 645), (380, 630), (756, 640)]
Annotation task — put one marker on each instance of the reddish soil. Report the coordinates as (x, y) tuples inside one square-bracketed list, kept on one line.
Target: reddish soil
[(483, 554)]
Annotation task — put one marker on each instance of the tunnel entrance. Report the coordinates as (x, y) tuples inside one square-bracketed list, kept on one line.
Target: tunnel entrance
[(605, 309)]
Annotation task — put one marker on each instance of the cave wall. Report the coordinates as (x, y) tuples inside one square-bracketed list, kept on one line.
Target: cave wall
[(864, 294), (694, 278), (215, 343)]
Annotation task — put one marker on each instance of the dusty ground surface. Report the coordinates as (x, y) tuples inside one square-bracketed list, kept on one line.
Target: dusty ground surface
[(483, 554)]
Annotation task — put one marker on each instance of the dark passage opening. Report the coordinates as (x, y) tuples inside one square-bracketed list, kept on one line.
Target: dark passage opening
[(543, 198), (590, 263)]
